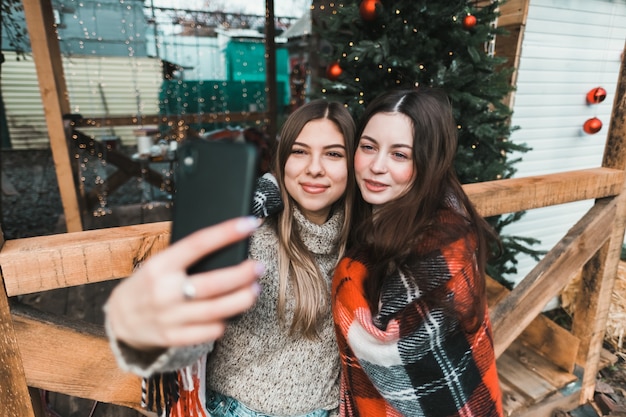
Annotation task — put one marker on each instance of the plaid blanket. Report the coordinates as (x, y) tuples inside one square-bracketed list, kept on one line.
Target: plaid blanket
[(413, 358)]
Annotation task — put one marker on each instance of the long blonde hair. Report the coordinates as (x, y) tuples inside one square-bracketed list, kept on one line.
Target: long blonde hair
[(296, 263)]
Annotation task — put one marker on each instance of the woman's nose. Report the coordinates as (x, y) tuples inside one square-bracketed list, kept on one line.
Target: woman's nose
[(315, 167), (379, 165)]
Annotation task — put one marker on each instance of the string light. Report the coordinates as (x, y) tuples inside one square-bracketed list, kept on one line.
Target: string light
[(181, 94)]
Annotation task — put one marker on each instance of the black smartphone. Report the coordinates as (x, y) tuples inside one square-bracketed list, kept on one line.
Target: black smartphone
[(214, 181)]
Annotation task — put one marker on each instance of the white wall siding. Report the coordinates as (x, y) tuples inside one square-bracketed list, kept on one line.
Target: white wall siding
[(130, 87), (569, 47)]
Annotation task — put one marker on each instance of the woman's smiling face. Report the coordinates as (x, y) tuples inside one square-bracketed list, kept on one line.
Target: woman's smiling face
[(316, 172), (383, 162)]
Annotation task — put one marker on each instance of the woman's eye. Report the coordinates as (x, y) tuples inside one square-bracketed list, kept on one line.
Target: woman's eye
[(335, 154), (400, 155), (366, 147), (297, 151)]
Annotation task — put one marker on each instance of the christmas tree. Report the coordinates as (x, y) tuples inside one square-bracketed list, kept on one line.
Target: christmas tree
[(370, 46)]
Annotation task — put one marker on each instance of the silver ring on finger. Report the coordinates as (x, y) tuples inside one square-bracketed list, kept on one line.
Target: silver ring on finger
[(189, 290)]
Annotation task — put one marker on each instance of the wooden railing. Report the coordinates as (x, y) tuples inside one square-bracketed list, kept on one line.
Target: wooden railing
[(50, 262), (73, 358)]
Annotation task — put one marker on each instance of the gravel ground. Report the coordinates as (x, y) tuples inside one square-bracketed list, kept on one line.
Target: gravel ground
[(31, 203)]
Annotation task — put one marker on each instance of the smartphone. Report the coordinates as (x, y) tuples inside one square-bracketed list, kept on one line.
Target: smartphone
[(214, 181)]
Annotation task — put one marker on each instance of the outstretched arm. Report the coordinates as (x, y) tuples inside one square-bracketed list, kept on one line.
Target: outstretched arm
[(160, 306)]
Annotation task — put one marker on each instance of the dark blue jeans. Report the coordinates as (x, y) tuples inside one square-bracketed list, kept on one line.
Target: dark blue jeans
[(223, 406)]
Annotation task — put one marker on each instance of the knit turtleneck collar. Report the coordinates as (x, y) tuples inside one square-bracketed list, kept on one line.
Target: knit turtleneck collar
[(319, 238)]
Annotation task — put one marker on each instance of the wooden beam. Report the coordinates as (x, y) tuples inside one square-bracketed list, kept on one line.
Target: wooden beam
[(547, 338), (51, 363), (513, 13), (127, 168), (57, 261), (14, 395), (513, 314), (271, 90), (615, 148), (598, 277), (47, 262), (170, 120), (47, 57), (518, 194)]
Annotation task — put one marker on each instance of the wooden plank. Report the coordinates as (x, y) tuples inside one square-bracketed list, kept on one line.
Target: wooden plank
[(170, 120), (547, 407), (550, 340), (48, 262), (544, 368), (513, 13), (127, 167), (598, 277), (512, 399), (47, 57), (518, 194), (496, 292), (511, 316), (528, 379), (52, 364), (615, 148), (14, 394), (271, 92), (523, 379)]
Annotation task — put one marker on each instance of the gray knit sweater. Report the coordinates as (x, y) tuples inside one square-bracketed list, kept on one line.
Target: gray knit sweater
[(256, 361)]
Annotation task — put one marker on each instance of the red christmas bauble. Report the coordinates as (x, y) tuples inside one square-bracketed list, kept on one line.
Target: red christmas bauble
[(333, 71), (593, 125), (596, 95), (469, 21), (367, 9)]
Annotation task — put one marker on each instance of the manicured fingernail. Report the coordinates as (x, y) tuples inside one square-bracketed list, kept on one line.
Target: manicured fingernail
[(248, 224), (256, 288), (259, 269)]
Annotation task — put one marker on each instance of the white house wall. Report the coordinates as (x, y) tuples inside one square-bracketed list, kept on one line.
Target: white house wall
[(129, 85), (569, 47)]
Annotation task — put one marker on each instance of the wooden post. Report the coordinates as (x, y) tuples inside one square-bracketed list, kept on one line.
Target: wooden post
[(270, 70), (598, 276), (14, 393), (317, 64), (47, 57)]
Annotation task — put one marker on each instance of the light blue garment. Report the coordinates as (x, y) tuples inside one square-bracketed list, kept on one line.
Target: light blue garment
[(223, 406)]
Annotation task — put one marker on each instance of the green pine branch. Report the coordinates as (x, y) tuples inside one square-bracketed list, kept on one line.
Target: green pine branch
[(414, 42)]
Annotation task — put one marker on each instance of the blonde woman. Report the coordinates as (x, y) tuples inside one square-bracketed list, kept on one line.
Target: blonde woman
[(279, 358)]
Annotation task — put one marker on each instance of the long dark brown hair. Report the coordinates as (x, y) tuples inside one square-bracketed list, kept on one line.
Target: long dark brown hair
[(393, 235)]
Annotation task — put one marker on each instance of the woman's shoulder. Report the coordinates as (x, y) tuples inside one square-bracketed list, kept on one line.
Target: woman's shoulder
[(263, 239)]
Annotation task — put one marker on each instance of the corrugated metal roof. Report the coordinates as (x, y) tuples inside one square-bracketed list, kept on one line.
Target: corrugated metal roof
[(97, 86)]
